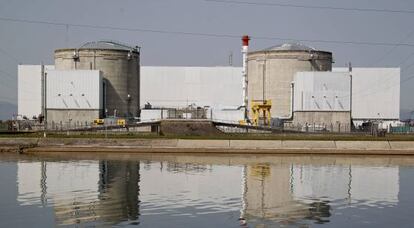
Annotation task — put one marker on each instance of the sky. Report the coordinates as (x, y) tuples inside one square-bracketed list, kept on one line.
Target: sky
[(167, 32)]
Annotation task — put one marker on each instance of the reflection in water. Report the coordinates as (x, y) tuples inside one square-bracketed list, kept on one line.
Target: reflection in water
[(357, 184), (273, 193), (288, 194), (119, 191), (103, 192), (268, 198)]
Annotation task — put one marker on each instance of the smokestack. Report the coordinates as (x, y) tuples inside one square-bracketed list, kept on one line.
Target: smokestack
[(245, 40), (245, 49)]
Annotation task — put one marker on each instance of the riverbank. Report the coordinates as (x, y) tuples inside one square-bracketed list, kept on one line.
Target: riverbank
[(214, 146)]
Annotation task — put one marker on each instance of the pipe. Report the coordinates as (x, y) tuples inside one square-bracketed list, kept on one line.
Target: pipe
[(292, 96)]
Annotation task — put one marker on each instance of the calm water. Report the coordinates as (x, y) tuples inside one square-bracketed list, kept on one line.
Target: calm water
[(206, 191)]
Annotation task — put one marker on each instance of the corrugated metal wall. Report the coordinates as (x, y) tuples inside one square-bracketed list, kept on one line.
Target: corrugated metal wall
[(29, 90), (79, 89), (322, 91), (181, 86), (375, 93)]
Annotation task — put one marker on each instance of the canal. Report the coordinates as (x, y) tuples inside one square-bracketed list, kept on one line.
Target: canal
[(122, 190)]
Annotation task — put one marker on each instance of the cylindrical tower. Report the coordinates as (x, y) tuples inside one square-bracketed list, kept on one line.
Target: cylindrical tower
[(271, 72), (120, 66)]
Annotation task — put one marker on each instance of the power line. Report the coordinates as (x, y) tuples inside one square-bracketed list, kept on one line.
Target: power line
[(215, 35), (373, 90), (9, 55), (393, 48), (373, 10), (7, 74), (337, 41), (119, 28)]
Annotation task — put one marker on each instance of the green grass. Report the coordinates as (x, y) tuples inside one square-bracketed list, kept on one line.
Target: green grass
[(279, 136)]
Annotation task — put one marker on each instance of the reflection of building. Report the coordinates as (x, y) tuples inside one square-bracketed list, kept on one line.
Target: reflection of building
[(375, 184), (181, 188), (82, 193), (119, 190), (312, 182), (268, 196), (290, 194), (357, 184)]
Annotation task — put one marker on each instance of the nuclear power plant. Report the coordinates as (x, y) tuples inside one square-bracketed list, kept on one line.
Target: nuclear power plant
[(120, 67), (271, 72), (288, 86)]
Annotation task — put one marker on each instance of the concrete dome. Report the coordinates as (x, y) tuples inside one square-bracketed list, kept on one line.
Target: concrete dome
[(290, 47), (108, 45)]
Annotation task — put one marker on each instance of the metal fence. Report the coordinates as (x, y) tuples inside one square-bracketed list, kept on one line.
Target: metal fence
[(228, 124), (402, 130), (319, 127)]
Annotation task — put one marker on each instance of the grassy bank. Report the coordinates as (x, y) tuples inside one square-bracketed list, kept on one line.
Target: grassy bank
[(280, 136)]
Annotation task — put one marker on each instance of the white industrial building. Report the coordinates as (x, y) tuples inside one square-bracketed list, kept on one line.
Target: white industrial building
[(70, 96), (80, 89), (174, 87), (29, 93), (321, 91), (321, 99), (375, 94), (219, 88), (74, 96)]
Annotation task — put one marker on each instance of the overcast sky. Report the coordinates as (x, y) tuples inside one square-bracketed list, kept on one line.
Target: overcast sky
[(31, 43)]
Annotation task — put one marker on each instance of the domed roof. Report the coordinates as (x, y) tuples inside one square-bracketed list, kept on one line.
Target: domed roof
[(290, 47), (108, 45)]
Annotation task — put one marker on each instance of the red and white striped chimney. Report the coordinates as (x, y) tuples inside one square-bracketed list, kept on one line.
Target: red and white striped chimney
[(245, 49)]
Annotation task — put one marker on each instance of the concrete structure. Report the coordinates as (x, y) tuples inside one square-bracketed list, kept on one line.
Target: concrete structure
[(220, 88), (222, 115), (321, 91), (29, 92), (120, 65), (271, 71), (322, 99), (178, 87), (74, 96), (334, 121), (47, 145), (375, 94)]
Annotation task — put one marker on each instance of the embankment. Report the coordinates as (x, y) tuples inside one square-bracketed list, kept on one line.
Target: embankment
[(225, 146)]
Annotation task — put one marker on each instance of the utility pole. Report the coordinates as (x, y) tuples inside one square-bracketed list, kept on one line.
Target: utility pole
[(350, 94), (45, 102), (44, 98)]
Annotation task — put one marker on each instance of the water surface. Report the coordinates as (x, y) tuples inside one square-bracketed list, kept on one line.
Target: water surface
[(90, 190)]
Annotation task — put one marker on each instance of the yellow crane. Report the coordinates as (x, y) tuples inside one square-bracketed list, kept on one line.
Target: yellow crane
[(261, 112)]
